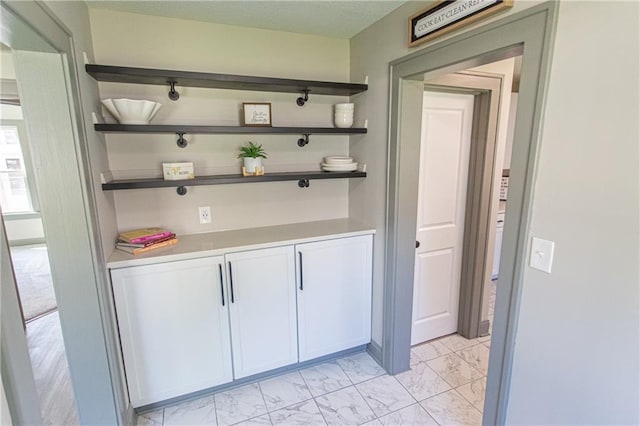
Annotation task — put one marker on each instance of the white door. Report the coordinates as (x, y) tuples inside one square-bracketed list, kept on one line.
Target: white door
[(174, 328), (444, 166), (334, 295), (262, 291)]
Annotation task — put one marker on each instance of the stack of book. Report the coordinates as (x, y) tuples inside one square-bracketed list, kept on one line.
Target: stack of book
[(144, 240)]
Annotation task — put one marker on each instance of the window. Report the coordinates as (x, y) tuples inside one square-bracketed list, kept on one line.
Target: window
[(15, 187)]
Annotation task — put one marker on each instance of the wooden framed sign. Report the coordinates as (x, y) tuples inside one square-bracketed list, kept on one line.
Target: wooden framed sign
[(256, 114), (449, 15)]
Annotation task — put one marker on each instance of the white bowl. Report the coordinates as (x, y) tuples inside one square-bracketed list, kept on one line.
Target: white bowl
[(132, 111), (343, 120), (349, 107)]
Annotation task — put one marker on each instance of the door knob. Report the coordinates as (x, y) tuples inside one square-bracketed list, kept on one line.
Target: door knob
[(417, 243)]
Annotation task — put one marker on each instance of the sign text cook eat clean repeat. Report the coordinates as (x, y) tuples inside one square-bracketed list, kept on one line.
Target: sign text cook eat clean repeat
[(447, 13)]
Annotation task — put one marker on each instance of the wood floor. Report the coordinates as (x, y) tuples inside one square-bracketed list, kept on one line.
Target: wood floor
[(51, 371)]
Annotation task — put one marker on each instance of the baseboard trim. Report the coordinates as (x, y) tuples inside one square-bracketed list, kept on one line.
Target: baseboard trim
[(375, 351)]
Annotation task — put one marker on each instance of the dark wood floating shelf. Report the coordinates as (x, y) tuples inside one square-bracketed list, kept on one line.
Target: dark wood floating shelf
[(187, 129), (220, 81), (227, 179)]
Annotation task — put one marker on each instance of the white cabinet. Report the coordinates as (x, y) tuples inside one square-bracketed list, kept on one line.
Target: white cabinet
[(174, 328), (262, 309), (334, 295), (189, 325)]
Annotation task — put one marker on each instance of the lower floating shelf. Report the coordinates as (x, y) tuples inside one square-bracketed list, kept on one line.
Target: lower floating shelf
[(302, 178)]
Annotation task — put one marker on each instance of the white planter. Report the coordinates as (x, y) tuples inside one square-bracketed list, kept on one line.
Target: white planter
[(250, 164)]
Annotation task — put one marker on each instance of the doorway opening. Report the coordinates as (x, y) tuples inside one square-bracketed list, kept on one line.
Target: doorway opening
[(463, 143), (19, 202), (528, 33)]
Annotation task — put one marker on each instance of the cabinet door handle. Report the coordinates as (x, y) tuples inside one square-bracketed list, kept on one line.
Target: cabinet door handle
[(221, 283), (231, 282), (301, 279)]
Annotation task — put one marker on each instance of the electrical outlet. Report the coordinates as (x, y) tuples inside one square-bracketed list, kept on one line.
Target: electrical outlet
[(205, 214)]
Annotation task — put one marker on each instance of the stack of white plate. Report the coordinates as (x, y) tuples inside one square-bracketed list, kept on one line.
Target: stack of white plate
[(339, 163)]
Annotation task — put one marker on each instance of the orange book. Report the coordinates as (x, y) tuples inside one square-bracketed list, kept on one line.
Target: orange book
[(138, 250)]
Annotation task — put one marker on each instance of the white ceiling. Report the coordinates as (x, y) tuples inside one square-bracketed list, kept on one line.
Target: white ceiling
[(331, 18)]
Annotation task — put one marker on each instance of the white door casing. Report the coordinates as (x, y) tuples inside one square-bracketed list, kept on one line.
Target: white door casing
[(444, 165)]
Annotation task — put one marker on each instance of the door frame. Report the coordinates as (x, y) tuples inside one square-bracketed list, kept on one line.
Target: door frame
[(529, 33), (71, 216), (486, 89)]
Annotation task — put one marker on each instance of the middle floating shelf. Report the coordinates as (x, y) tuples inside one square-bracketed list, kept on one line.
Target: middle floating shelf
[(227, 179), (195, 129)]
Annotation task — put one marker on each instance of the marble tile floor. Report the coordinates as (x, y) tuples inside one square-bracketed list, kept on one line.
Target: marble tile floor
[(445, 386)]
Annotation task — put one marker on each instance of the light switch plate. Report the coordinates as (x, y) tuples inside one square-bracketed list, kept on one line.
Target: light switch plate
[(541, 254)]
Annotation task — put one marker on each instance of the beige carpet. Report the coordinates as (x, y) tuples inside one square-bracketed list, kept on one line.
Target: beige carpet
[(33, 276)]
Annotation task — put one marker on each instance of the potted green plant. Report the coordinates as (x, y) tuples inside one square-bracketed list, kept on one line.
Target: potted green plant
[(252, 155)]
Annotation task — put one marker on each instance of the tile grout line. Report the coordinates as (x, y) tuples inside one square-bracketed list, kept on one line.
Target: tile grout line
[(313, 397), (416, 402), (264, 401), (452, 351), (472, 406), (215, 409), (470, 366), (467, 399), (432, 396)]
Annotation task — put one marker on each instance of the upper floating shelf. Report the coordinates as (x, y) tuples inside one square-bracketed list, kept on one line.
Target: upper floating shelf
[(197, 129), (220, 81)]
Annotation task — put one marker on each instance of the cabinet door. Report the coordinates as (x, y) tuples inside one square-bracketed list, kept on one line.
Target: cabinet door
[(174, 328), (262, 309), (334, 295)]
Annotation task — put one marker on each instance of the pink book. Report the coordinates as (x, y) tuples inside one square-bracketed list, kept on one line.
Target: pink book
[(146, 238)]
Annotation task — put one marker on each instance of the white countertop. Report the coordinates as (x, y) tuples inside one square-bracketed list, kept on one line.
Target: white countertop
[(216, 243)]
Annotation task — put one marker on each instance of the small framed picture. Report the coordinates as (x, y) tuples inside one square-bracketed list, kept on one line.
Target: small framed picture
[(256, 114)]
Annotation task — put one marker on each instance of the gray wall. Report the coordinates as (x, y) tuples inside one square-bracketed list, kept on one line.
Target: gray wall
[(371, 52), (156, 42), (576, 355)]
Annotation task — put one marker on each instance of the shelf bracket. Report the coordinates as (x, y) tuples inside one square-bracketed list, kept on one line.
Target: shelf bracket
[(181, 190), (304, 140), (182, 142), (301, 100), (303, 183), (173, 94)]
